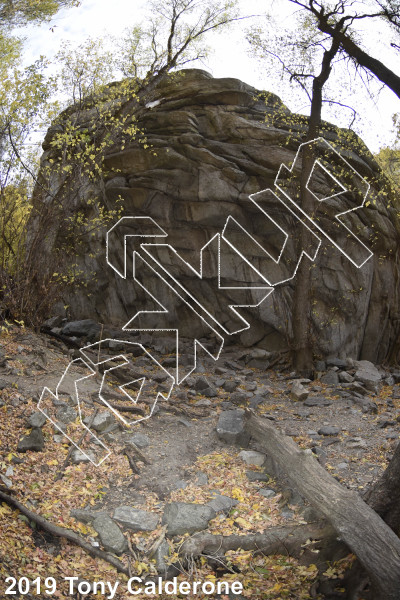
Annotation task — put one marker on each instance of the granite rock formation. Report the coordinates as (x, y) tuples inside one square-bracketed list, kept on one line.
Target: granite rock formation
[(213, 142)]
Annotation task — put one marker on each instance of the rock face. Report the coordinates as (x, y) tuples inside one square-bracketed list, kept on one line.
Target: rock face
[(210, 149)]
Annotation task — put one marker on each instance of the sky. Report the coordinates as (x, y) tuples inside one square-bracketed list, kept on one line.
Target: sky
[(229, 57)]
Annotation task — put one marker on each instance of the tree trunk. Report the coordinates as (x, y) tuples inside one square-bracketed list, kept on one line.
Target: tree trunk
[(357, 524), (375, 66), (301, 318), (384, 496)]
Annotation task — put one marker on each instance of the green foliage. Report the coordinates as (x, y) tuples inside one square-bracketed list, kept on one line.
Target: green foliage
[(14, 213), (99, 118), (389, 160), (17, 13)]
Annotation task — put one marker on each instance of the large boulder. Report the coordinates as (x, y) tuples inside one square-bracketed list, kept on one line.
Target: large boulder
[(212, 143)]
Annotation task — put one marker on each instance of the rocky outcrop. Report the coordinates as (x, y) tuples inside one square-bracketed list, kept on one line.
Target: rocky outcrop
[(210, 147)]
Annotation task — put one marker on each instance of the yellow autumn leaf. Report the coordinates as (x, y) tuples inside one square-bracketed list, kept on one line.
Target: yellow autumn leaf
[(237, 494), (243, 523)]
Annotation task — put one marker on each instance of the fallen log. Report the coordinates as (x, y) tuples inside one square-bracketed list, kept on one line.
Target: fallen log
[(66, 534), (358, 525), (276, 540)]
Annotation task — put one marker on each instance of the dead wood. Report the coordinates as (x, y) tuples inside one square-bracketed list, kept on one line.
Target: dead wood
[(66, 534), (357, 524), (132, 446), (154, 547), (131, 461), (127, 409), (276, 540)]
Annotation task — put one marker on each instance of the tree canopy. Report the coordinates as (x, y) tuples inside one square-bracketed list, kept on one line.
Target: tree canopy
[(17, 13)]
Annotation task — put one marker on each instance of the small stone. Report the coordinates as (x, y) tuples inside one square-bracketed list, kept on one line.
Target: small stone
[(342, 466), (317, 401), (302, 412), (101, 421), (139, 439), (85, 328), (181, 484), (329, 430), (201, 479), (201, 383), (368, 374), (7, 482), (287, 513), (255, 401), (345, 377), (66, 414), (330, 378), (203, 402), (78, 457), (231, 427), (257, 476), (184, 422), (251, 457), (37, 419), (239, 398), (226, 405), (135, 519), (230, 385), (267, 492), (34, 441), (251, 387), (160, 555), (209, 392), (221, 503), (356, 388), (367, 406), (86, 516), (182, 518), (386, 422), (298, 391), (110, 535)]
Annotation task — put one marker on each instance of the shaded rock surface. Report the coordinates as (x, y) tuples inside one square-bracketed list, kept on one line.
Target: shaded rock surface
[(110, 535), (34, 441), (183, 518), (211, 149), (230, 427), (134, 519), (221, 503)]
